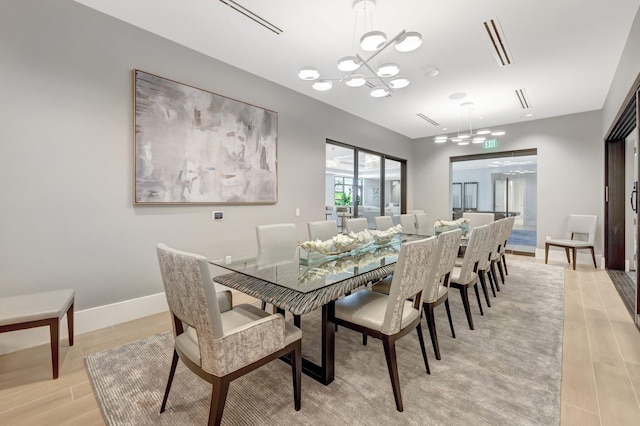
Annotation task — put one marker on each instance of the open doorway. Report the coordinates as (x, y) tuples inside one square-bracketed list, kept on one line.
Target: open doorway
[(504, 184)]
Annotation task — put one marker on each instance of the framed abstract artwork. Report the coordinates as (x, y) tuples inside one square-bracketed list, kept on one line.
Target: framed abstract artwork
[(196, 147)]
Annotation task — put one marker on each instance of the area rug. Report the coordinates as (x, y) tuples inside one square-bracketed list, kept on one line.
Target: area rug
[(505, 372)]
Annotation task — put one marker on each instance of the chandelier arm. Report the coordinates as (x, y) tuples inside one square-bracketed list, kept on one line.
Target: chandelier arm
[(374, 73), (387, 44)]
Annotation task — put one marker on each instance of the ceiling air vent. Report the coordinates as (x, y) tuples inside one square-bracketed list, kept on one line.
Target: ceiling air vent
[(425, 118), (252, 15), (521, 94), (498, 42)]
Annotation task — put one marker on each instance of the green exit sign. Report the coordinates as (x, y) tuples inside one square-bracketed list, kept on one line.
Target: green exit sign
[(490, 143)]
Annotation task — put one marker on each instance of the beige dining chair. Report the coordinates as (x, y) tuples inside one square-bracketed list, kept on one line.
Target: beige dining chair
[(383, 222), (408, 222), (446, 253), (277, 243), (422, 224), (484, 266), (506, 233), (478, 219), (217, 341), (580, 235), (466, 275), (356, 225), (322, 230), (389, 317)]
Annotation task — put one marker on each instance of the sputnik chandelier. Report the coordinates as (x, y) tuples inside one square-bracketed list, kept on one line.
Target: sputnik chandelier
[(387, 75), (467, 136)]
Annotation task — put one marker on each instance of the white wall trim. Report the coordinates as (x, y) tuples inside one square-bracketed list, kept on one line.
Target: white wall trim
[(85, 321)]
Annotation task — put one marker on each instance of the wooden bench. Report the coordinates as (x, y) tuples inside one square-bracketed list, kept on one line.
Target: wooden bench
[(38, 310)]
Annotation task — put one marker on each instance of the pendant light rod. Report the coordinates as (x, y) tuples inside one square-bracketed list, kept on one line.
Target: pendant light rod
[(366, 64)]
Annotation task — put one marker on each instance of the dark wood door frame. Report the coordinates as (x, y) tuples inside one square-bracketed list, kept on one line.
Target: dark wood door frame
[(626, 121)]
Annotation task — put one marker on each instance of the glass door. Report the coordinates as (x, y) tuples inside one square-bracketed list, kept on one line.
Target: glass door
[(631, 209), (392, 190)]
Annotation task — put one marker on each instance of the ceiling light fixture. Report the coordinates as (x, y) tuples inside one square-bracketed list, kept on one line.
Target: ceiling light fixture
[(387, 75), (467, 137)]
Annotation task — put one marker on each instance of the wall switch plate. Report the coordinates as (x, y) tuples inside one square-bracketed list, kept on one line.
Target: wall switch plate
[(547, 238), (297, 212), (217, 215)]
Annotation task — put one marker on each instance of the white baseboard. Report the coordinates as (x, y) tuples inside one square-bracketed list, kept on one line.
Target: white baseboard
[(86, 320), (560, 256)]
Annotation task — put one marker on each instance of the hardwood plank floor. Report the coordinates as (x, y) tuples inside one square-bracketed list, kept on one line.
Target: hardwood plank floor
[(600, 366)]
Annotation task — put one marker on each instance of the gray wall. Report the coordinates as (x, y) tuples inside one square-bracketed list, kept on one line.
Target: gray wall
[(66, 154), (570, 176)]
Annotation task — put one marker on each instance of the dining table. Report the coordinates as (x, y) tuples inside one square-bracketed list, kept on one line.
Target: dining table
[(310, 281)]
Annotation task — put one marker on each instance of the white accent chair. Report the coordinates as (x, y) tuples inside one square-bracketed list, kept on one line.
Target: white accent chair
[(215, 340), (478, 219), (357, 225), (39, 310), (322, 230), (484, 266), (383, 222), (466, 275), (389, 317), (580, 234), (408, 222), (277, 243)]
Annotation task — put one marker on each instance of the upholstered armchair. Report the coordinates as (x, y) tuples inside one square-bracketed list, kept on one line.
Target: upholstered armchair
[(580, 234), (389, 317), (215, 340)]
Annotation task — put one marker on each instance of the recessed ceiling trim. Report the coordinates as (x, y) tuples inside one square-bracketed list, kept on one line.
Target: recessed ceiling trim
[(521, 94), (425, 118), (253, 16), (498, 42)]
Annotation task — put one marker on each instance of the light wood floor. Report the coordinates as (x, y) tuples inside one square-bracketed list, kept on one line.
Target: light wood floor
[(600, 367)]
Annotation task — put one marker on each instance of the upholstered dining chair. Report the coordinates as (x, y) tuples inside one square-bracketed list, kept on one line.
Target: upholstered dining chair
[(484, 266), (506, 233), (389, 317), (446, 253), (580, 234), (478, 219), (215, 340), (496, 250), (422, 223), (383, 222), (408, 222), (466, 275), (322, 230), (277, 243), (357, 224)]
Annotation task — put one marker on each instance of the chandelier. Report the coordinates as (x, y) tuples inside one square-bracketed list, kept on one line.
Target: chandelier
[(387, 75), (466, 136)]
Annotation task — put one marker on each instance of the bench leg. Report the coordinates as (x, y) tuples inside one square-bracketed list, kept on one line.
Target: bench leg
[(54, 332), (70, 323)]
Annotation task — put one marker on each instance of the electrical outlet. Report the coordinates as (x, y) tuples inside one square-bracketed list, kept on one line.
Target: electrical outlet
[(298, 212)]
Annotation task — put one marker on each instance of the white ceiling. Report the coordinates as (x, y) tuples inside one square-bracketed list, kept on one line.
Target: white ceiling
[(565, 52)]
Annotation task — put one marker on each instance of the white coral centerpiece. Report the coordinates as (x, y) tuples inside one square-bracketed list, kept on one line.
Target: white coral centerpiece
[(442, 225), (342, 243)]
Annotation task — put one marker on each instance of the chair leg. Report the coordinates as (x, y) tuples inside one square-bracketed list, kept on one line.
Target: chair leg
[(467, 308), (263, 305), (296, 320), (566, 250), (546, 253), (54, 335), (364, 339), (483, 283), (296, 372), (573, 250), (492, 271), (431, 324), (593, 256), (422, 348), (500, 270), (504, 262), (218, 399), (70, 323), (392, 364), (446, 305), (475, 287), (172, 372)]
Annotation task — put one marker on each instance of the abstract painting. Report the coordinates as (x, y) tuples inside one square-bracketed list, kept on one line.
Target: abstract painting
[(193, 146)]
